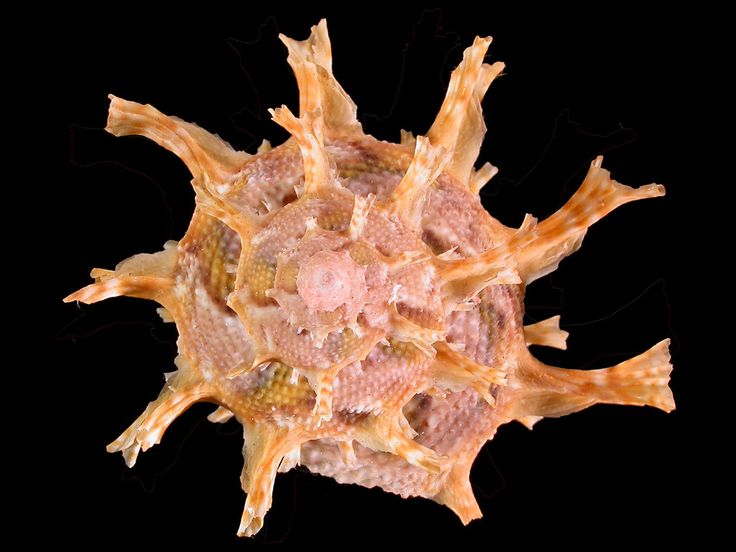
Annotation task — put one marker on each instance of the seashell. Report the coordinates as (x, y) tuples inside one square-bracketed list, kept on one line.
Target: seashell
[(350, 302)]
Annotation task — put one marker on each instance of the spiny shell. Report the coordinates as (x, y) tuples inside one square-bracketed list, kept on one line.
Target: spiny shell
[(352, 304)]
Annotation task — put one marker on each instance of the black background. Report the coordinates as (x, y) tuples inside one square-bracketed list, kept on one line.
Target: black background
[(617, 82)]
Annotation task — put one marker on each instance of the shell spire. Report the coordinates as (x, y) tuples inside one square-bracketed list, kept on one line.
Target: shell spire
[(308, 132), (562, 233), (546, 332), (459, 125), (407, 199), (538, 248), (204, 154), (352, 305), (145, 276), (311, 61)]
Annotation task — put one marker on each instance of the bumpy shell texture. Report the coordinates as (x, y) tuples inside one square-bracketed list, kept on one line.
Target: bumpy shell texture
[(351, 303)]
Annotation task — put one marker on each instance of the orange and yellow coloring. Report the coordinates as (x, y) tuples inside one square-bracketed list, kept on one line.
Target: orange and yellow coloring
[(351, 303)]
